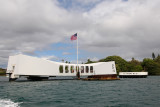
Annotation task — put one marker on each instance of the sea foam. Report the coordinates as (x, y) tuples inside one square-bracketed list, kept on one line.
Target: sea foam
[(8, 103)]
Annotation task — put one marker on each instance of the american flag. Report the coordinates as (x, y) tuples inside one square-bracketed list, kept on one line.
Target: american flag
[(74, 37)]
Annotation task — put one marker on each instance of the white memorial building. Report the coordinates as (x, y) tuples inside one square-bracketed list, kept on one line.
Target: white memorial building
[(38, 69)]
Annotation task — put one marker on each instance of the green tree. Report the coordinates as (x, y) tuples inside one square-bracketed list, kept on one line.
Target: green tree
[(153, 55), (61, 68), (89, 61), (62, 60), (121, 64), (2, 72), (134, 66), (151, 66), (135, 62), (66, 69), (157, 59)]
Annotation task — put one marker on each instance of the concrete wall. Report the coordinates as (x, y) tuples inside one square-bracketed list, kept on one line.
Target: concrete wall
[(27, 65)]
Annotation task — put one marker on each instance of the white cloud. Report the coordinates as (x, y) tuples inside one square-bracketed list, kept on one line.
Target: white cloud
[(129, 29), (131, 26), (52, 57), (66, 53)]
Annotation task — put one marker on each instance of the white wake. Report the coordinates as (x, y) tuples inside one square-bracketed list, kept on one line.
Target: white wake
[(8, 103)]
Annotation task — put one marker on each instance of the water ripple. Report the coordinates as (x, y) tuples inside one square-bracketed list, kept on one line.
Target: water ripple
[(122, 93)]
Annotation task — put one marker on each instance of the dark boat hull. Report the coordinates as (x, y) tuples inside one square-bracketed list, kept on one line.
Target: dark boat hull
[(132, 76)]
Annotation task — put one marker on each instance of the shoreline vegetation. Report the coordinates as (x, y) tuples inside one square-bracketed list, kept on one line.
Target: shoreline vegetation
[(152, 66), (2, 72)]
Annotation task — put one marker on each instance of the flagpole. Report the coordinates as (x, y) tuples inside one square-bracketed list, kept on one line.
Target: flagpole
[(78, 73), (77, 52)]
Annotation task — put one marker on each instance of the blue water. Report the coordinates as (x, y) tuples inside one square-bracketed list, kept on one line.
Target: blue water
[(137, 92)]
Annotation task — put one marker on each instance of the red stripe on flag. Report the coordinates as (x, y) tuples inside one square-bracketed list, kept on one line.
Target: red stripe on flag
[(74, 37)]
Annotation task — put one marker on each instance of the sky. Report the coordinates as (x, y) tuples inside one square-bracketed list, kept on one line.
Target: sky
[(42, 28)]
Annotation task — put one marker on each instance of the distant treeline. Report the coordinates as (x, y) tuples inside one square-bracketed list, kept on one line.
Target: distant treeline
[(2, 71), (152, 66)]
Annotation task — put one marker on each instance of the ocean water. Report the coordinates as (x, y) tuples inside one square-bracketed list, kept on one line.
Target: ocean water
[(137, 92)]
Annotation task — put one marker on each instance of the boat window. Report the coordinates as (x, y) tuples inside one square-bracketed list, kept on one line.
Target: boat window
[(82, 69), (91, 69), (76, 68), (72, 69), (61, 68), (87, 69), (66, 69)]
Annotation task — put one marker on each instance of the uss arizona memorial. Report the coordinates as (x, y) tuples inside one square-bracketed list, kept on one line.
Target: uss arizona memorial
[(34, 68)]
